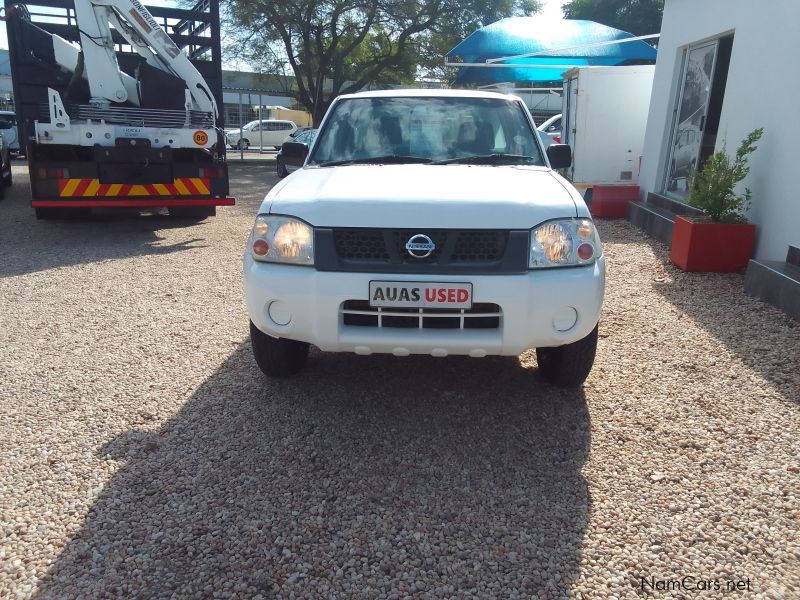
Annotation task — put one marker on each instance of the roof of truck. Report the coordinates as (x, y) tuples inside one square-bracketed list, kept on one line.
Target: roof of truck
[(415, 93)]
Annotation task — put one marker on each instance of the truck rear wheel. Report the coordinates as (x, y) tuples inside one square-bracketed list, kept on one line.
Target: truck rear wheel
[(277, 357), (192, 212), (570, 365)]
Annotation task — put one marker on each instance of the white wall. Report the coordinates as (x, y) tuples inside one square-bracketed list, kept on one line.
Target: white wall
[(763, 90)]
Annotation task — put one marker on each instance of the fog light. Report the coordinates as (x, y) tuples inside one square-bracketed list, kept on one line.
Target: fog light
[(565, 319), (279, 313)]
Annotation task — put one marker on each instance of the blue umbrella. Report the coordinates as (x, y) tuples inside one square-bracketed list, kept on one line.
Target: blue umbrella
[(562, 39)]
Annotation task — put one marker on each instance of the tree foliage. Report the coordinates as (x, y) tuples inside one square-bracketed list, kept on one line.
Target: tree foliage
[(639, 17), (333, 47), (712, 187)]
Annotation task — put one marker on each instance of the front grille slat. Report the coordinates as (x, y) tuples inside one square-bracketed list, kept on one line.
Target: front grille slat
[(482, 315)]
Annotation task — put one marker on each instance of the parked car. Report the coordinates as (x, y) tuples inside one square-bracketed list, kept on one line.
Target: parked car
[(550, 130), (267, 132), (426, 222), (5, 167), (684, 155), (293, 152), (8, 129), (297, 132)]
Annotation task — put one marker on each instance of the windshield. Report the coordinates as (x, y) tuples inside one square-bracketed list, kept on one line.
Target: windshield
[(426, 129), (7, 121)]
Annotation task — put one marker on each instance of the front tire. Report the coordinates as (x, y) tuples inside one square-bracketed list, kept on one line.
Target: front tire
[(277, 357), (570, 365), (243, 145)]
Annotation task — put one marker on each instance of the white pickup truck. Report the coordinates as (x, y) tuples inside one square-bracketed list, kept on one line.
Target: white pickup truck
[(426, 222)]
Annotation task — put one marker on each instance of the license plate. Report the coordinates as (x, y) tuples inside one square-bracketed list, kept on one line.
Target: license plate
[(417, 294)]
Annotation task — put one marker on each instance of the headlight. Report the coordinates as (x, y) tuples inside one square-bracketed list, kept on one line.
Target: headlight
[(564, 243), (282, 239)]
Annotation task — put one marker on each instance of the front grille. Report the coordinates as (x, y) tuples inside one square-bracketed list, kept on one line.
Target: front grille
[(480, 245), (389, 245), (361, 244), (457, 251), (482, 315)]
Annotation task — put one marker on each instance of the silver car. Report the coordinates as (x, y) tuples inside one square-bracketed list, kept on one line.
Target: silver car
[(8, 129)]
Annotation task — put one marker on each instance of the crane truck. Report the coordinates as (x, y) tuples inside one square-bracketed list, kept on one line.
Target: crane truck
[(113, 110)]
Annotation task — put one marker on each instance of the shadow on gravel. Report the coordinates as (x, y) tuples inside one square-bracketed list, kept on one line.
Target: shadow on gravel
[(364, 475), (28, 245), (763, 338), (41, 245)]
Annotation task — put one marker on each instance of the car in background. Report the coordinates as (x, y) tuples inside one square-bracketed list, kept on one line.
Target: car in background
[(550, 131), (296, 132), (267, 132), (688, 139), (8, 129), (293, 152), (5, 167)]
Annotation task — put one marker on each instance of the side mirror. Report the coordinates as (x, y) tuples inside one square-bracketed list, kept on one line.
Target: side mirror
[(296, 150), (560, 156)]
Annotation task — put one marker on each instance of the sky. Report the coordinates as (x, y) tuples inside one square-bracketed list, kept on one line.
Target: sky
[(552, 9)]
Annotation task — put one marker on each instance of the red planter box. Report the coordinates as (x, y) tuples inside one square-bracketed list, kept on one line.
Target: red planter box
[(612, 200), (703, 246)]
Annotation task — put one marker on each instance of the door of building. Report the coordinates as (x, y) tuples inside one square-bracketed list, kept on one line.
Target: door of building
[(691, 114)]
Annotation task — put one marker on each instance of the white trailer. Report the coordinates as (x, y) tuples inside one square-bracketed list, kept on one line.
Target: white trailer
[(605, 115)]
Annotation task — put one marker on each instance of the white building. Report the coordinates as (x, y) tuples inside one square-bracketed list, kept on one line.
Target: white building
[(724, 68)]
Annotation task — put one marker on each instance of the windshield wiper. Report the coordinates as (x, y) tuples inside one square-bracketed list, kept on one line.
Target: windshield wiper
[(487, 159), (388, 159)]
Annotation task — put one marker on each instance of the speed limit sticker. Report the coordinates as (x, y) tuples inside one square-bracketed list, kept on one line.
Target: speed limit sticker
[(200, 137)]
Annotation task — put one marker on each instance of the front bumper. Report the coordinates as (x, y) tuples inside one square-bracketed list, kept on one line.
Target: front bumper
[(531, 303)]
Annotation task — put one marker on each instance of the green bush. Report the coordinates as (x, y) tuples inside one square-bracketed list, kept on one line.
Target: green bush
[(712, 187)]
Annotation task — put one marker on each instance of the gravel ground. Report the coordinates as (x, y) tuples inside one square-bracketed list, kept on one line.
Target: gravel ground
[(142, 453)]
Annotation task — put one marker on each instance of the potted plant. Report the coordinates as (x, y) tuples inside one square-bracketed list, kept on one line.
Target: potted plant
[(723, 240)]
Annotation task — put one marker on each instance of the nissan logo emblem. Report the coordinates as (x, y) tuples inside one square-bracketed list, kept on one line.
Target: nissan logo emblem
[(420, 246)]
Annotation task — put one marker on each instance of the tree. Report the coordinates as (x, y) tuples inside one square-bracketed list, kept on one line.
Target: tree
[(639, 17), (334, 47)]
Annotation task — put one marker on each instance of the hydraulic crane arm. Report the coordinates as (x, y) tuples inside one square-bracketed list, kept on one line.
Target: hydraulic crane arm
[(135, 23)]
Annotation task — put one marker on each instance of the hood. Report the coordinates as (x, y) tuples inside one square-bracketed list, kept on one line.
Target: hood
[(434, 196)]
